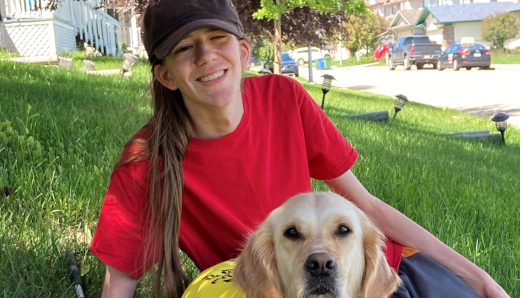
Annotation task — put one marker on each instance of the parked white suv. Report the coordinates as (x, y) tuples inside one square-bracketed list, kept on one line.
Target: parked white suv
[(300, 55)]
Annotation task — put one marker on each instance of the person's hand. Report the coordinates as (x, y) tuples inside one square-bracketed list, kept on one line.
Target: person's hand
[(494, 291), (488, 288)]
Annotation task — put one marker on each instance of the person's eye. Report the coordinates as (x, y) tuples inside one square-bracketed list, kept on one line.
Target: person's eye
[(218, 37), (182, 49)]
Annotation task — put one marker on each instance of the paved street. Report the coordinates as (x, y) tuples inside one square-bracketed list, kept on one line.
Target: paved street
[(479, 92)]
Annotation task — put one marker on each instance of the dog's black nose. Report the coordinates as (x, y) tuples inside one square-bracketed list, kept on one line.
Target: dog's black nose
[(320, 264)]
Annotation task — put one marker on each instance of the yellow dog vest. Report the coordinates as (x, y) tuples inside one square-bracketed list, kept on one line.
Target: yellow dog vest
[(216, 282)]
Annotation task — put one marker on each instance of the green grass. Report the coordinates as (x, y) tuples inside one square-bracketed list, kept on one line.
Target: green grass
[(505, 58), (353, 61), (61, 133)]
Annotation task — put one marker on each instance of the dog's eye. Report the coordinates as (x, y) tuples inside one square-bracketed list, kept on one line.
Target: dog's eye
[(292, 233), (343, 230)]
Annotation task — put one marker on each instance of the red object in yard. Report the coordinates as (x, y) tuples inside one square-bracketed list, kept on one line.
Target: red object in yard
[(380, 51)]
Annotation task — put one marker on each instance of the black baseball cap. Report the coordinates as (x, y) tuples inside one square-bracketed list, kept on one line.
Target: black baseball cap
[(166, 22)]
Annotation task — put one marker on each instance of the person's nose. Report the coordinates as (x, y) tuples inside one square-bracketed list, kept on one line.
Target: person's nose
[(204, 53)]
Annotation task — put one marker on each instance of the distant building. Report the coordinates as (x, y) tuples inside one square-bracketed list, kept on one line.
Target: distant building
[(444, 21), (447, 24)]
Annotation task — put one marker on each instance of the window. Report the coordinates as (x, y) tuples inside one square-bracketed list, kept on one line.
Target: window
[(476, 47)]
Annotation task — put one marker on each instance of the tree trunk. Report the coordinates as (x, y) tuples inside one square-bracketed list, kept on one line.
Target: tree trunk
[(278, 55)]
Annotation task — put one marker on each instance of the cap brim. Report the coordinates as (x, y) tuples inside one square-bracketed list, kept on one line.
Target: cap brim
[(172, 40)]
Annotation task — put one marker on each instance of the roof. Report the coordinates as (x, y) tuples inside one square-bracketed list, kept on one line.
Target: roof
[(388, 2), (466, 12), (375, 2), (409, 17)]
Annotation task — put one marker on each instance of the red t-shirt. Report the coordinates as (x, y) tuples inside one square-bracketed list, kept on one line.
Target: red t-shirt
[(232, 183)]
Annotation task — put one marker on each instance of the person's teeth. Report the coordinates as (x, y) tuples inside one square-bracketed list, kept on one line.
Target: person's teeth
[(212, 77)]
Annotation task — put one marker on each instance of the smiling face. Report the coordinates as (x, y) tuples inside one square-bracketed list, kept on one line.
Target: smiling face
[(207, 68)]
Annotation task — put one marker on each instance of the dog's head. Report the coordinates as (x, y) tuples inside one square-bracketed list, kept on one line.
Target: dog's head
[(315, 245)]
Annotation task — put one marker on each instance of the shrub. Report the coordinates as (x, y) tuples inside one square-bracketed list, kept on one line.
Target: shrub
[(499, 28)]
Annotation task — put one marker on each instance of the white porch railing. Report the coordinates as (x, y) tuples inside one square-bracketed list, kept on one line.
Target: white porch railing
[(20, 9), (133, 37), (93, 26), (96, 27)]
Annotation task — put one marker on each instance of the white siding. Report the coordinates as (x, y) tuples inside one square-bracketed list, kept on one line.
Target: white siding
[(63, 12), (435, 35), (64, 37), (30, 39), (404, 33), (469, 29)]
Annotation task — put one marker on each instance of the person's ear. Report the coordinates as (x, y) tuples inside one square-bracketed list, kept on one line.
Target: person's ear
[(162, 75), (245, 50)]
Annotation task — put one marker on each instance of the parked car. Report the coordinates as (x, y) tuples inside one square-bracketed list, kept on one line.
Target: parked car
[(381, 51), (300, 55), (457, 56), (414, 50), (288, 65)]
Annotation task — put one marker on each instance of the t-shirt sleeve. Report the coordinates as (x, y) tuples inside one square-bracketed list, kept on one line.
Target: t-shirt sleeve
[(329, 153), (119, 235)]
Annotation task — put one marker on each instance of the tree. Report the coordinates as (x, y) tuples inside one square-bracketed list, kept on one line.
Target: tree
[(364, 32), (274, 9), (301, 23), (500, 27)]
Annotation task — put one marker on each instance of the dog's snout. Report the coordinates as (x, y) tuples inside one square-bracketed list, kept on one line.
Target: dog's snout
[(320, 264)]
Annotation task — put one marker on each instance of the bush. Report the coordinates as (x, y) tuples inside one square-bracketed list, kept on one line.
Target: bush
[(499, 28)]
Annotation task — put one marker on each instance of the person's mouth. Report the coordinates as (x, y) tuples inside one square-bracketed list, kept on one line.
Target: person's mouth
[(211, 77)]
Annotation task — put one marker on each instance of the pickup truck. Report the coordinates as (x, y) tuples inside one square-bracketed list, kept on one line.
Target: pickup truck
[(414, 50)]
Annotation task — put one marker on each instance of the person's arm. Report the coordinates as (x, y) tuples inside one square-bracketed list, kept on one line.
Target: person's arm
[(403, 230), (117, 284)]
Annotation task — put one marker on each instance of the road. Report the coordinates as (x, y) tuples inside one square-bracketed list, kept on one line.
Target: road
[(478, 92)]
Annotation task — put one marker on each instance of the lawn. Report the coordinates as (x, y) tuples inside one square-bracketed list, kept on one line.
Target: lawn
[(61, 133), (505, 58)]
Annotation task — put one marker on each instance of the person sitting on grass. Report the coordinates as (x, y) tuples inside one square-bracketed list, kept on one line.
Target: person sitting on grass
[(221, 152)]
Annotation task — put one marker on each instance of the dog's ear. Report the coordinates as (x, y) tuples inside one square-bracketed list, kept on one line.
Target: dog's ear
[(255, 270), (380, 280)]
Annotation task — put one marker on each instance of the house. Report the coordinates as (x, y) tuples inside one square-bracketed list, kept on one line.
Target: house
[(131, 32), (447, 24), (403, 23), (389, 8), (33, 32)]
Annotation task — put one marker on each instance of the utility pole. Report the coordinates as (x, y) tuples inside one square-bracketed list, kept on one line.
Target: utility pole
[(310, 63), (340, 34)]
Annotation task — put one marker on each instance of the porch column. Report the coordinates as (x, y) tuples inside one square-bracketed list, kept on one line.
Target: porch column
[(448, 36)]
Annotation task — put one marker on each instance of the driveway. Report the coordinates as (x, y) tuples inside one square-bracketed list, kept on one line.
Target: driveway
[(478, 92)]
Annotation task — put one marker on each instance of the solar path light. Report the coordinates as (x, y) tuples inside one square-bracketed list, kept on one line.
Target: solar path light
[(399, 104), (500, 122), (128, 63), (89, 65), (326, 86)]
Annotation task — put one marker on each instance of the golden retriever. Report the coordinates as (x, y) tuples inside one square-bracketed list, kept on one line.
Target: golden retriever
[(315, 245)]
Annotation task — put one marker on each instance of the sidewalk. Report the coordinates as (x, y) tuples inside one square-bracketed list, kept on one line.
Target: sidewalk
[(506, 66)]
